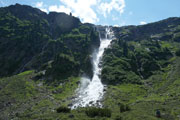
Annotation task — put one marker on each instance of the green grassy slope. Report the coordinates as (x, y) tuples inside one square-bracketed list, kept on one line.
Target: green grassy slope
[(160, 91), (31, 39), (22, 97)]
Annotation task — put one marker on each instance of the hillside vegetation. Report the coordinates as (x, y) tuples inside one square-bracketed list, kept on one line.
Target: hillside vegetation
[(43, 56), (141, 70), (31, 39)]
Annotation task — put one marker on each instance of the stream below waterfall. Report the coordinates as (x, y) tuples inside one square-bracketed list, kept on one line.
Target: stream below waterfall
[(91, 92)]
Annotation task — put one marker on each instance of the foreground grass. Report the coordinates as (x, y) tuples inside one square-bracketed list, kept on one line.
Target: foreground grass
[(161, 91), (24, 98)]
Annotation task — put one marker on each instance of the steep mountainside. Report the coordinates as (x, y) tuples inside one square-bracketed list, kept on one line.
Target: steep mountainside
[(32, 39), (141, 69), (141, 50), (43, 56)]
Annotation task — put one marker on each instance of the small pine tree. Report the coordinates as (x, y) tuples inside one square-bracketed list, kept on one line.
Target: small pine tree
[(125, 49), (178, 52), (157, 44), (124, 108), (102, 112)]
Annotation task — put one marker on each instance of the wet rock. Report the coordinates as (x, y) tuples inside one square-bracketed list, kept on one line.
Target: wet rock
[(78, 82), (70, 98), (69, 105), (91, 102), (8, 104)]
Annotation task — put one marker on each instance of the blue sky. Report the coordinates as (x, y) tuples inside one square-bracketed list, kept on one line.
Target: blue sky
[(108, 12)]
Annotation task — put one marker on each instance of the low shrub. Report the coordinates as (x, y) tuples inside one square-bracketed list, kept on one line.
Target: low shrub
[(124, 108), (63, 109), (128, 108), (118, 118), (102, 112)]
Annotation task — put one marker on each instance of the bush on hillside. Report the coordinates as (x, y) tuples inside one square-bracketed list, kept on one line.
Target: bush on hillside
[(63, 109), (101, 112), (118, 118), (124, 108)]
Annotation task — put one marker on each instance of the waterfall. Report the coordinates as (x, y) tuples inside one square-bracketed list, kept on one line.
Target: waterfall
[(91, 91)]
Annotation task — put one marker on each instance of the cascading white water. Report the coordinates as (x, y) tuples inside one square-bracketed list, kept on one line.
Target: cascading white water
[(90, 92)]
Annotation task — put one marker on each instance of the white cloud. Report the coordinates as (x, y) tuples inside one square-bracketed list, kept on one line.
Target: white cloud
[(86, 10), (117, 5), (143, 22), (115, 25), (40, 5), (44, 10), (59, 9), (79, 8)]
